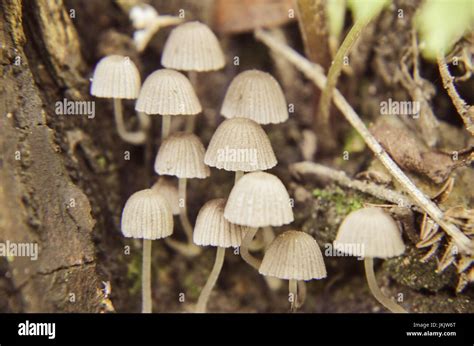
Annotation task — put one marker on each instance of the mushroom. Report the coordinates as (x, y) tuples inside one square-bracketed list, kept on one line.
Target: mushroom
[(293, 256), (240, 145), (147, 215), (117, 77), (167, 92), (212, 229), (192, 47), (258, 199), (371, 233), (255, 95), (182, 155), (167, 187)]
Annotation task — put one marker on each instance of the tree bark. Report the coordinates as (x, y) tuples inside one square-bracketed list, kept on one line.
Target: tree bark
[(52, 185)]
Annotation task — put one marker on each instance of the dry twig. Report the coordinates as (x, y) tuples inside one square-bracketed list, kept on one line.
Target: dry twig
[(465, 111), (341, 178), (315, 74)]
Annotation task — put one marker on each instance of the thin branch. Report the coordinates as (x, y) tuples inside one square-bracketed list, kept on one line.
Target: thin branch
[(464, 110), (313, 72), (341, 178)]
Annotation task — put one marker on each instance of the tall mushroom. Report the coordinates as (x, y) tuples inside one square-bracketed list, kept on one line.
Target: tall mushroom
[(258, 199), (167, 92), (293, 256), (147, 216), (117, 77), (371, 233), (182, 155), (192, 47), (214, 230), (240, 145), (255, 95)]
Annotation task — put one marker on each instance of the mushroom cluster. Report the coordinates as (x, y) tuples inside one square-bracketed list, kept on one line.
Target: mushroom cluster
[(240, 145), (258, 199)]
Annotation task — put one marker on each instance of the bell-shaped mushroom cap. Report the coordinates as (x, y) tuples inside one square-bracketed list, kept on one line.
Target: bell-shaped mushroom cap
[(213, 229), (182, 155), (147, 215), (259, 199), (255, 95), (240, 144), (168, 92), (369, 232), (293, 255), (167, 187), (117, 77), (192, 46)]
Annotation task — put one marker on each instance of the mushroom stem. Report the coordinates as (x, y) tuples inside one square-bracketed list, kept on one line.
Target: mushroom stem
[(211, 280), (183, 215), (165, 126), (146, 277), (188, 250), (257, 243), (238, 175), (190, 123), (144, 120), (268, 235), (293, 291), (191, 119), (136, 138), (301, 294), (374, 288), (244, 248)]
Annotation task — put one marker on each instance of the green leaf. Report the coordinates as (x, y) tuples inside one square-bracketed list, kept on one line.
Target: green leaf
[(441, 23)]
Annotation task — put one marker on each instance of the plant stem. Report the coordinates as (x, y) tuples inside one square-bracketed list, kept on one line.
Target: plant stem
[(314, 73), (336, 67), (374, 288), (211, 280), (135, 138), (293, 290), (244, 248), (165, 126), (238, 175), (146, 277)]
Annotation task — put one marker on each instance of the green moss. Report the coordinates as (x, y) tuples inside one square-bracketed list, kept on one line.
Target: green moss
[(102, 162), (134, 274), (192, 290), (342, 202), (354, 142)]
